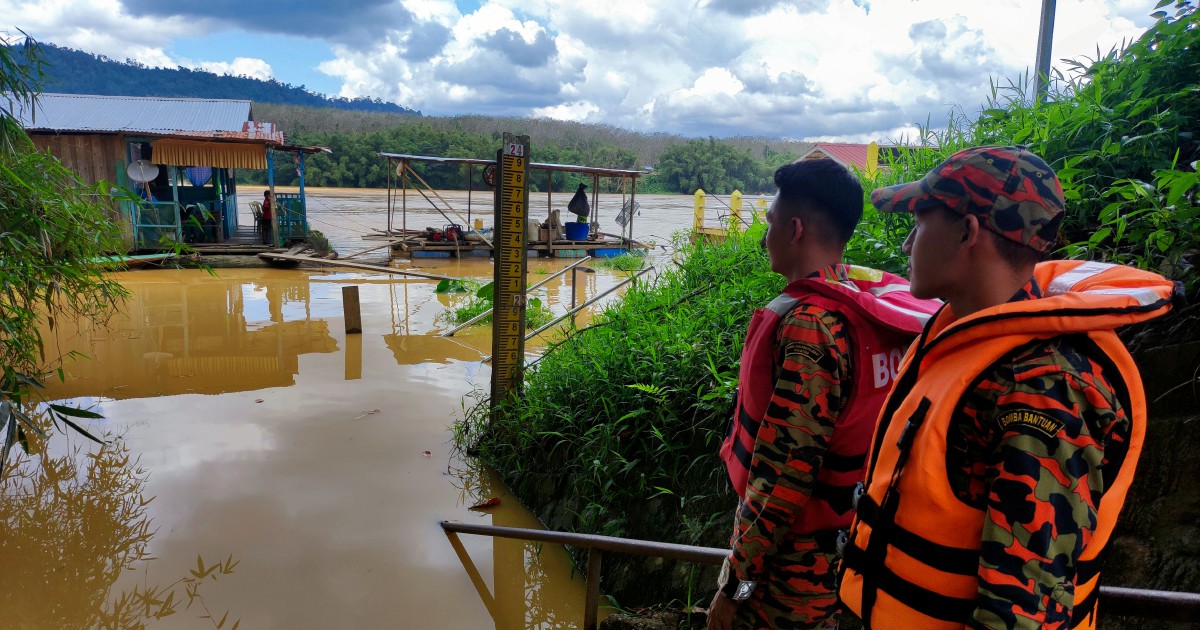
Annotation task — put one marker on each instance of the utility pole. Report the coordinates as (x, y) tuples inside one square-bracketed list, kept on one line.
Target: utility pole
[(1041, 79)]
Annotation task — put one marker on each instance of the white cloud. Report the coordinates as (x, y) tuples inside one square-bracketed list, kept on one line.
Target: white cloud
[(239, 67), (101, 27), (799, 69), (579, 111)]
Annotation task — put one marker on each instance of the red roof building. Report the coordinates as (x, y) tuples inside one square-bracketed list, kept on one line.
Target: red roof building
[(857, 156)]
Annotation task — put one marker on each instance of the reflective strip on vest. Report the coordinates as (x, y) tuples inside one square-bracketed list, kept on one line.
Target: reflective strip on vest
[(1063, 283)]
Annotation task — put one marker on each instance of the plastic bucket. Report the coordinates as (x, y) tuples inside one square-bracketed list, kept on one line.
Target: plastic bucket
[(576, 231)]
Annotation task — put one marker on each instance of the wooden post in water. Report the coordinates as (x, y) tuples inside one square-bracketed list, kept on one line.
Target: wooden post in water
[(350, 308)]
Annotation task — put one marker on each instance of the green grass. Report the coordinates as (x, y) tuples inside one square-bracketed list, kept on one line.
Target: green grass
[(624, 262)]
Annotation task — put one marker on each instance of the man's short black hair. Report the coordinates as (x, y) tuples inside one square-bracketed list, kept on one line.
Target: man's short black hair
[(821, 188), (1017, 255)]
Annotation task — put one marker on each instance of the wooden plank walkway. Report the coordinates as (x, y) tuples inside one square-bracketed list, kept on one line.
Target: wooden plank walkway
[(246, 241)]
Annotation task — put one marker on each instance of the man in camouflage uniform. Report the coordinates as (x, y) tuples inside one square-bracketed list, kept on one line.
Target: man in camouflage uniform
[(778, 575), (1036, 437)]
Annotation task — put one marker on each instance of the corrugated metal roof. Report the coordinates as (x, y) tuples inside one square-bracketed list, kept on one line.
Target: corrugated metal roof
[(192, 117), (846, 154)]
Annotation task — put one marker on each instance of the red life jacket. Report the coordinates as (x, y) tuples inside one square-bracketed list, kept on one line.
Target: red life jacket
[(882, 319)]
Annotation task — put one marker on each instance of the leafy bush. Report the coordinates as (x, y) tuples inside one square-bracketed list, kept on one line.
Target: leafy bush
[(53, 229)]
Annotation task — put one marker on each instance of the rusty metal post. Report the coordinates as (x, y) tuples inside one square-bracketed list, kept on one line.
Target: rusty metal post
[(591, 602), (574, 291)]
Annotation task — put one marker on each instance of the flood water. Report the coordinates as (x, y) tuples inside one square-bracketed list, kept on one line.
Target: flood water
[(261, 433)]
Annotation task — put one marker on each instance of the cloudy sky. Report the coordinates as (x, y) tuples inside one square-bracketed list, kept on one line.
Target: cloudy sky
[(800, 69)]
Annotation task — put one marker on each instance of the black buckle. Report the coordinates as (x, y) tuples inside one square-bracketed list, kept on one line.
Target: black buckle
[(859, 490), (843, 539)]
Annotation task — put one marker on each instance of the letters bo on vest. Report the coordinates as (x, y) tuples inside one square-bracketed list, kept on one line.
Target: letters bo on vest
[(913, 552), (882, 319)]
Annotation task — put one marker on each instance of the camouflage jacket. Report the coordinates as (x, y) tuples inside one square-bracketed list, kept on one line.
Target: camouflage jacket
[(811, 381)]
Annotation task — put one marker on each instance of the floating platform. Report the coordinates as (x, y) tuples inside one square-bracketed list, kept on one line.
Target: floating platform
[(421, 247)]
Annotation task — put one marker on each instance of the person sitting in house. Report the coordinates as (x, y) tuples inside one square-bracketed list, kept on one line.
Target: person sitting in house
[(267, 217)]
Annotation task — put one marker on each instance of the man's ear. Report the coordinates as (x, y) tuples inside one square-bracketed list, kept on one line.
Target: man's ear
[(797, 229), (971, 231)]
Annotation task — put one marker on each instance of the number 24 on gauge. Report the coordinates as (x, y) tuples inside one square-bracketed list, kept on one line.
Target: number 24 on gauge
[(515, 149)]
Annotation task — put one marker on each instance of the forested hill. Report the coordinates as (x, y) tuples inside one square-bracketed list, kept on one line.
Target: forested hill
[(75, 72)]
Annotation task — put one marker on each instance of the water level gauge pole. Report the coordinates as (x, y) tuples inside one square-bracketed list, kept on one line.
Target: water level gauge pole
[(508, 316)]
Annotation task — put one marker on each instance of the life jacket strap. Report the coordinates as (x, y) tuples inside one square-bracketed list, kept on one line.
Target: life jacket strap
[(918, 598)]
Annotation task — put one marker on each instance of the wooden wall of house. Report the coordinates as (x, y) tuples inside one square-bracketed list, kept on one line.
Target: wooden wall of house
[(93, 158)]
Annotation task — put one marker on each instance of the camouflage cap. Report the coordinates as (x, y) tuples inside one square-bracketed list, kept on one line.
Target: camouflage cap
[(1014, 192)]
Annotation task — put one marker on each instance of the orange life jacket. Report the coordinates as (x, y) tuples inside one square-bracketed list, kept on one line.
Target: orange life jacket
[(882, 319), (912, 556)]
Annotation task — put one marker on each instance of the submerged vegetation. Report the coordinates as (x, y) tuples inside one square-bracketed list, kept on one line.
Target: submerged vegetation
[(481, 299), (625, 262), (619, 424)]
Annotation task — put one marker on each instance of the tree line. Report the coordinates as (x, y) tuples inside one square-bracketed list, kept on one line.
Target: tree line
[(70, 71), (675, 164)]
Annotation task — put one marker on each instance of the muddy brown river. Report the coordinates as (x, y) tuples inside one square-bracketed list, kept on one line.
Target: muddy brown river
[(260, 433)]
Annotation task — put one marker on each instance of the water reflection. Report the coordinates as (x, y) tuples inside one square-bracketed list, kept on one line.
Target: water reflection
[(72, 524), (195, 334), (522, 593), (328, 487), (75, 524)]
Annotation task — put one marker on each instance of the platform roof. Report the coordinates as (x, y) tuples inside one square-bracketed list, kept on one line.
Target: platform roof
[(572, 168), (198, 118)]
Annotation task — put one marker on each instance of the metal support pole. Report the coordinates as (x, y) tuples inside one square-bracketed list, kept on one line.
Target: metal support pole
[(591, 602), (274, 240), (574, 291), (1041, 80)]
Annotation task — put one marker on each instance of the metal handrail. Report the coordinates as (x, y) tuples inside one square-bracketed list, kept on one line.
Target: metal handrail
[(450, 333), (586, 304), (1119, 600)]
